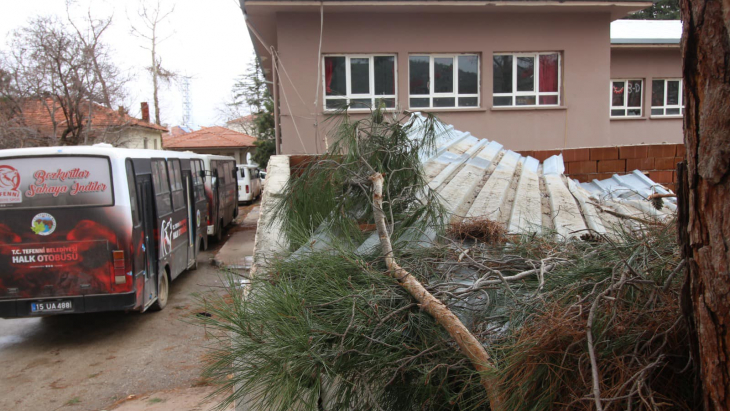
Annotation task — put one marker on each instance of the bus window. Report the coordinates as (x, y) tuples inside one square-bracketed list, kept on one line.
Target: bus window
[(132, 193), (197, 166), (162, 187), (55, 181), (178, 197)]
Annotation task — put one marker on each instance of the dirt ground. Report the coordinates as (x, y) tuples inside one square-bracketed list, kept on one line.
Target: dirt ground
[(97, 361)]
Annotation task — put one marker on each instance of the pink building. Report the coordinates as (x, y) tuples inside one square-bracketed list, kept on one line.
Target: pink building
[(532, 75)]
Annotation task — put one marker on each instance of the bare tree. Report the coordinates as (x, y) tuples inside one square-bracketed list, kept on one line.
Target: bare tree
[(51, 86), (151, 18), (704, 192), (111, 81)]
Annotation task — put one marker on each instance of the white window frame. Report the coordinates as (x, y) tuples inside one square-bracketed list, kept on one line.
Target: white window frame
[(455, 94), (348, 80), (537, 93), (626, 109), (666, 106)]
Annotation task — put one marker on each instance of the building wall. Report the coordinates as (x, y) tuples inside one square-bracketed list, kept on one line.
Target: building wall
[(585, 46), (134, 137), (646, 64)]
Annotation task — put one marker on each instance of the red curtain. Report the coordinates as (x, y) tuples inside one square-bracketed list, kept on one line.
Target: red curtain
[(329, 69), (548, 72)]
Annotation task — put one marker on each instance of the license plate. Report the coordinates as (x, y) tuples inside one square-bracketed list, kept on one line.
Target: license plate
[(51, 306)]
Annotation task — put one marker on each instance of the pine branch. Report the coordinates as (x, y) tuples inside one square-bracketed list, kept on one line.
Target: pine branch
[(470, 346)]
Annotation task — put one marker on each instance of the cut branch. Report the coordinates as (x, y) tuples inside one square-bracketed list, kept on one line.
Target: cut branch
[(469, 345)]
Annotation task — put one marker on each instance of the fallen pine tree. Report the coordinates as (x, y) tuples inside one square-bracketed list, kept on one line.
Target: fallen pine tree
[(565, 324)]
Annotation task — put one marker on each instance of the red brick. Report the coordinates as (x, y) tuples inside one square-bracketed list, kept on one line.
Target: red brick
[(544, 154), (639, 164), (604, 153), (661, 177), (662, 150), (581, 167), (666, 163), (576, 154), (627, 152), (681, 151), (671, 186), (603, 176), (612, 166)]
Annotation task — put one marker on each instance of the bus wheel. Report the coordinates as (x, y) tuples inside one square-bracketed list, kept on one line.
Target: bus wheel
[(163, 291)]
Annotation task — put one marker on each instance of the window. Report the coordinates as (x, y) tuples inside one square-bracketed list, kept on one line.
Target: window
[(197, 166), (162, 187), (132, 186), (443, 81), (178, 197), (516, 84), (359, 80), (666, 97), (626, 98)]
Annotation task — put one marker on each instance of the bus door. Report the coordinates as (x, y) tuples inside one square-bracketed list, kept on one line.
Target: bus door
[(147, 200), (192, 231)]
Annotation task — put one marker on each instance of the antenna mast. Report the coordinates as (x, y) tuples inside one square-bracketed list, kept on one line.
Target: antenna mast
[(187, 104)]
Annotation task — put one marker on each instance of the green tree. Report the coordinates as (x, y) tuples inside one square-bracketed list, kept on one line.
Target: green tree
[(661, 10), (251, 91)]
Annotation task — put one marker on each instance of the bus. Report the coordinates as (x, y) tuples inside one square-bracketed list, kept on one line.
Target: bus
[(96, 228), (221, 188), (249, 183)]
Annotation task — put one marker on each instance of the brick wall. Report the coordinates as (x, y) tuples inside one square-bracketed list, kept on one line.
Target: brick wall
[(658, 161)]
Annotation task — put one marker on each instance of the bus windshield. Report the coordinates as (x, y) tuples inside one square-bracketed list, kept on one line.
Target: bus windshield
[(55, 181)]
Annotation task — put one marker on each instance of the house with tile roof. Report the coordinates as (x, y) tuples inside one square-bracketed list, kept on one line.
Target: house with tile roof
[(535, 75), (213, 140), (44, 122)]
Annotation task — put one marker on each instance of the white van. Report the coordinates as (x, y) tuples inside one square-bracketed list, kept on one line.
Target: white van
[(249, 182)]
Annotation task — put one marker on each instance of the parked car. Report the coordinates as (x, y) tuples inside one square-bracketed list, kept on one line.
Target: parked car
[(249, 183)]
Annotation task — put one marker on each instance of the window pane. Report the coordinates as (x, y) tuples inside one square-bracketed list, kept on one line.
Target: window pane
[(384, 75), (548, 100), (360, 76), (334, 76), (634, 112), (468, 101), (617, 98), (419, 102), (443, 73), (525, 100), (525, 73), (502, 101), (549, 72), (672, 111), (360, 103), (334, 104), (444, 102), (468, 75), (657, 112), (419, 78), (657, 93), (634, 93), (387, 102), (673, 93), (502, 74), (618, 113)]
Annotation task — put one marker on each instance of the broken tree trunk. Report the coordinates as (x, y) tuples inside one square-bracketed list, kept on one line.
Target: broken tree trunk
[(704, 194), (469, 345)]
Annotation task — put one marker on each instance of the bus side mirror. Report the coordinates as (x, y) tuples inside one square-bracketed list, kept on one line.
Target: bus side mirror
[(202, 174)]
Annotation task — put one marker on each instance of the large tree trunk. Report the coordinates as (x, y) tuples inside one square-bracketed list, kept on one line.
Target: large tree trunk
[(705, 192)]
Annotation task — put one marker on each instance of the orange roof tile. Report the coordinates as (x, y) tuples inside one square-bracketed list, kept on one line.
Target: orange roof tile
[(209, 137), (37, 115)]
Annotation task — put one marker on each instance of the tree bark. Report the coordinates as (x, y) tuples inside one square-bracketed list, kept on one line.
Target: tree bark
[(469, 345), (704, 194)]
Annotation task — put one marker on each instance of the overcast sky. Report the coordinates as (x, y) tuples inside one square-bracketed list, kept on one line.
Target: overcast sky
[(208, 42)]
